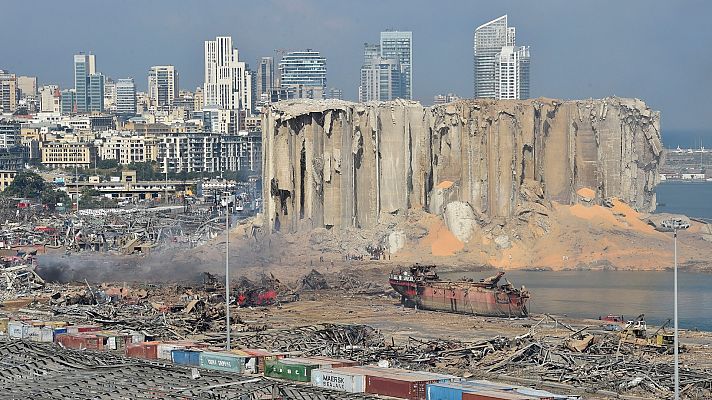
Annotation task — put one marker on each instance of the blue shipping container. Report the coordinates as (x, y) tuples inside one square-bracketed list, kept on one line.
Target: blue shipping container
[(444, 391), (58, 331), (185, 357)]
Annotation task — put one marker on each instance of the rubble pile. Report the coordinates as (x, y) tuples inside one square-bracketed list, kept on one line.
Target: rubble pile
[(121, 231)]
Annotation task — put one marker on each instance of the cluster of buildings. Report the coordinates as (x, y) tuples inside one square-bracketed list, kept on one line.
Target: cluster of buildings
[(217, 126)]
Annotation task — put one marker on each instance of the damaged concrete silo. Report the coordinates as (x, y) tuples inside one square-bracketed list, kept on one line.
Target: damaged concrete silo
[(341, 164)]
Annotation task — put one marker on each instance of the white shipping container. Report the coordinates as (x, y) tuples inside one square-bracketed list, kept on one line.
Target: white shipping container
[(16, 329), (33, 333), (164, 350), (341, 379)]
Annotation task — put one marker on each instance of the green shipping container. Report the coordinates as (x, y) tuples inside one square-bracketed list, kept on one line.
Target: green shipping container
[(222, 361), (287, 369)]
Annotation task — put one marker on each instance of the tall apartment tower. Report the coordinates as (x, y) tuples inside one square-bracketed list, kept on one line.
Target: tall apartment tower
[(84, 65), (162, 86), (8, 92), (227, 81), (303, 74), (496, 61), (382, 79), (126, 97), (398, 45), (265, 80)]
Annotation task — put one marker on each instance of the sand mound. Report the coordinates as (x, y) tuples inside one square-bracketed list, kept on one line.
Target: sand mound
[(442, 242), (586, 192), (444, 185)]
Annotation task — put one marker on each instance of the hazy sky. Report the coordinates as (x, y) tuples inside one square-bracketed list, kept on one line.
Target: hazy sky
[(660, 51)]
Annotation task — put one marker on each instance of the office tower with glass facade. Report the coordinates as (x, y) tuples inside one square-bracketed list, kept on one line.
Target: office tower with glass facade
[(95, 93), (84, 66), (398, 45), (126, 97), (303, 74)]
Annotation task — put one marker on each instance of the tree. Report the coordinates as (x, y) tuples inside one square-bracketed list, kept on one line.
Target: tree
[(26, 184), (50, 197)]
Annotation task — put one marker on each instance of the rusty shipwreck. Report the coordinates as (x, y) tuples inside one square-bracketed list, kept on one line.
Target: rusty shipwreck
[(420, 286)]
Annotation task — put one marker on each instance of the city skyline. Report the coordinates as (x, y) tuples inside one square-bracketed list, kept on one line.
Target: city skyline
[(626, 56)]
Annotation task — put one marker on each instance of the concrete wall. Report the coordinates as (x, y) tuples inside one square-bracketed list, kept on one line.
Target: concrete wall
[(337, 164)]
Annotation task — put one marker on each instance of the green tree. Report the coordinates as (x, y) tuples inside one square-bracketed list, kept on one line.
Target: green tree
[(50, 197), (26, 184)]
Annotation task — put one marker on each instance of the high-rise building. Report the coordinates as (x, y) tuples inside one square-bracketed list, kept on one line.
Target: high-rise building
[(8, 92), (382, 78), (227, 81), (303, 74), (68, 101), (27, 85), (511, 73), (84, 66), (198, 100), (125, 97), (109, 94), (162, 86), (398, 45), (443, 99), (95, 93), (265, 80), (494, 46), (50, 99)]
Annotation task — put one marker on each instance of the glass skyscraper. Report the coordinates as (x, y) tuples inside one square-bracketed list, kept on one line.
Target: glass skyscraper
[(95, 93), (500, 70), (303, 74), (398, 46), (84, 66)]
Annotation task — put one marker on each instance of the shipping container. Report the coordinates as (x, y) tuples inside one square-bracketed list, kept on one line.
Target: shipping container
[(327, 362), (83, 328), (341, 379), (17, 330), (259, 356), (495, 395), (186, 357), (411, 387), (79, 341), (58, 331), (147, 350), (165, 349), (3, 325), (288, 368), (112, 340), (222, 361), (444, 391)]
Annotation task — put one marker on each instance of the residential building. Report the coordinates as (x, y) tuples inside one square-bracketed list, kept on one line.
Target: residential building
[(95, 93), (50, 99), (227, 80), (398, 45), (109, 95), (382, 80), (445, 98), (335, 93), (27, 86), (125, 98), (241, 152), (9, 134), (124, 147), (84, 66), (511, 74), (265, 81), (303, 74), (8, 92), (218, 120), (12, 158), (189, 152), (162, 86), (67, 154), (198, 99), (68, 101), (497, 61), (6, 178)]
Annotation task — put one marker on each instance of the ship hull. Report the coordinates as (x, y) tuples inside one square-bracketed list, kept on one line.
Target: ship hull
[(462, 298)]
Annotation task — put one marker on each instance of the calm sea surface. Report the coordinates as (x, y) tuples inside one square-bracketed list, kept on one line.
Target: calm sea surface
[(590, 294), (691, 199)]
